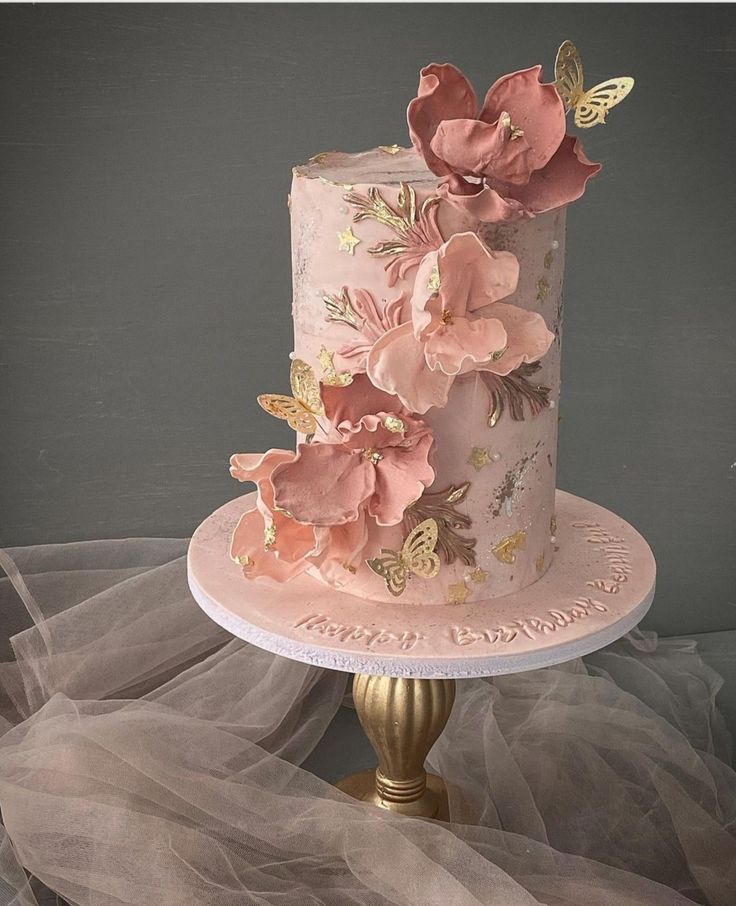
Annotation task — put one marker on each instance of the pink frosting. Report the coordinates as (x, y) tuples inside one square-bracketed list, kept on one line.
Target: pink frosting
[(508, 161), (457, 326)]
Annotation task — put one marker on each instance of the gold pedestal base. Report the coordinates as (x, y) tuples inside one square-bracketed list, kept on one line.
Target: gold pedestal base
[(402, 718), (431, 804)]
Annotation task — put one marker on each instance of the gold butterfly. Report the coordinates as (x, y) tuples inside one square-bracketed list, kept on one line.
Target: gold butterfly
[(302, 409), (591, 107), (417, 557)]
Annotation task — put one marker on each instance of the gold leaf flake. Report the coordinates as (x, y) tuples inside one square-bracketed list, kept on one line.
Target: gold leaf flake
[(330, 376), (548, 259), (319, 158), (542, 289), (389, 149), (269, 537), (539, 563), (553, 525), (479, 576), (434, 279), (349, 567), (245, 561), (394, 424), (337, 185), (505, 550), (441, 507), (457, 593), (347, 241), (479, 457)]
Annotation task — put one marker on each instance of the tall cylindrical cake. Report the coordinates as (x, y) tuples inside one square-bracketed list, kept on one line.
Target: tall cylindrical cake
[(495, 440), (425, 376)]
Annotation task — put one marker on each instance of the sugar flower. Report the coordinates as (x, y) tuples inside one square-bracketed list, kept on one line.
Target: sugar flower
[(507, 161), (457, 325)]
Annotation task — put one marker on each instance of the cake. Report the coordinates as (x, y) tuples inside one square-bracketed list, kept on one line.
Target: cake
[(425, 377)]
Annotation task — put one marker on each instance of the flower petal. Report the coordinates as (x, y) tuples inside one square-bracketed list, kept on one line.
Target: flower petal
[(444, 94), (481, 202), (401, 477), (247, 548), (361, 397), (462, 345), (473, 148), (343, 546), (256, 467), (561, 181), (397, 365), (527, 337), (534, 107), (325, 485)]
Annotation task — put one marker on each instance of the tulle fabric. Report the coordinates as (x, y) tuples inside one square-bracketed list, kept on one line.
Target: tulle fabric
[(146, 757)]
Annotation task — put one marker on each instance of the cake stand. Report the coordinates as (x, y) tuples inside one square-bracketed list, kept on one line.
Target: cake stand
[(406, 658)]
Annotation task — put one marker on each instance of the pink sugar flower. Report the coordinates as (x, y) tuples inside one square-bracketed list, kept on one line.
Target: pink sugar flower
[(375, 460), (508, 161), (458, 325)]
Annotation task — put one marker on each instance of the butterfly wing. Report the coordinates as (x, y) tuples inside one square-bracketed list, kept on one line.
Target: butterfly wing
[(594, 105), (569, 74), (418, 554), (290, 410), (391, 569), (305, 387)]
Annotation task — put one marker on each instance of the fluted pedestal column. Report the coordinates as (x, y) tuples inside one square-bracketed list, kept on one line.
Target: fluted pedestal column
[(402, 718)]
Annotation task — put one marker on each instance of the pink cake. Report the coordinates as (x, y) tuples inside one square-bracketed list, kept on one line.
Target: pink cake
[(425, 376)]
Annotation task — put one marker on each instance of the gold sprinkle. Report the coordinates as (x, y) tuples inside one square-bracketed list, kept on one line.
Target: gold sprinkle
[(269, 537), (542, 289), (457, 593), (394, 424), (330, 375), (539, 563), (505, 550), (548, 259), (389, 149), (434, 279), (372, 455), (479, 457), (479, 576), (347, 241)]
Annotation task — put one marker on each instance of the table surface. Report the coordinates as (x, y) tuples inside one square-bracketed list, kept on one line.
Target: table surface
[(599, 586)]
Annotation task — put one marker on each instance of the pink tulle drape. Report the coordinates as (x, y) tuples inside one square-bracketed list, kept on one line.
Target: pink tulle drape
[(148, 758)]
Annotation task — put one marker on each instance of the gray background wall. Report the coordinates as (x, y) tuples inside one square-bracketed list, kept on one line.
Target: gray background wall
[(146, 155)]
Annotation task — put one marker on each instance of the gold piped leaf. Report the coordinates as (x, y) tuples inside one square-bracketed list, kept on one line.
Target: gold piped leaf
[(514, 390), (417, 557), (591, 107), (441, 507), (505, 550), (340, 308)]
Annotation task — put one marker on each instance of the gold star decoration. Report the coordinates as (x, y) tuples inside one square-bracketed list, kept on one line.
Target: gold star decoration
[(542, 289), (348, 241), (479, 576), (479, 457), (457, 593), (548, 259), (389, 149)]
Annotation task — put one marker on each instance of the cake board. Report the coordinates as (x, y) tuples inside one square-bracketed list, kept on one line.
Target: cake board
[(406, 658)]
